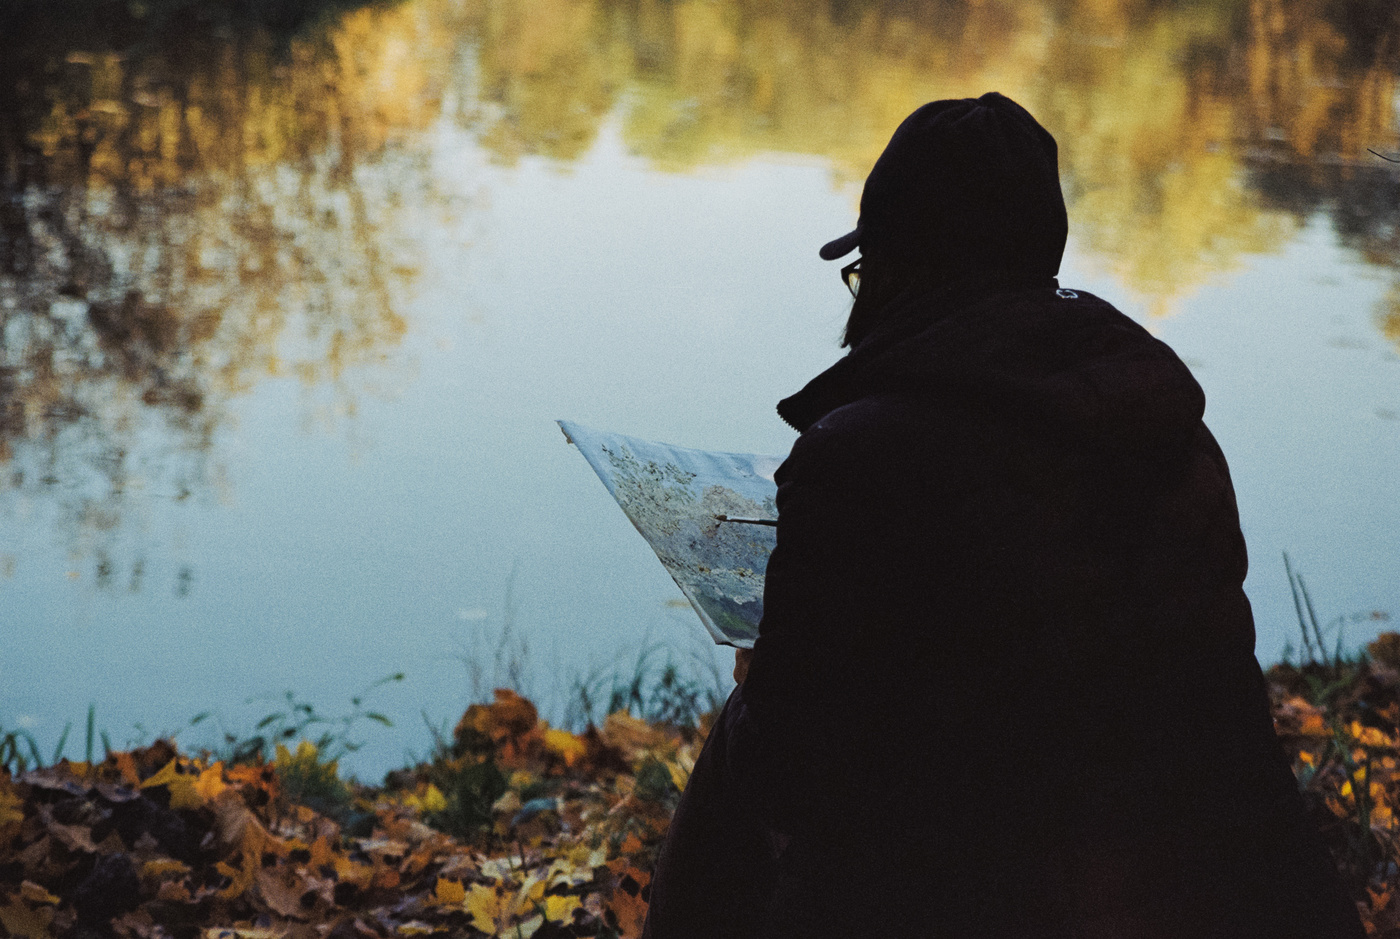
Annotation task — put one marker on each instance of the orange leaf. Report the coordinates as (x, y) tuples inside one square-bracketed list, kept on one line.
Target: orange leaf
[(126, 768), (626, 900), (631, 912), (321, 852), (449, 892)]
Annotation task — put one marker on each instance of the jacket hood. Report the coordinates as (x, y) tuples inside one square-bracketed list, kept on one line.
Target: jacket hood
[(1026, 348)]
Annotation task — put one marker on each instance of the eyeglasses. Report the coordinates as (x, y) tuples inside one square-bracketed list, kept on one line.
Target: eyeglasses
[(850, 275)]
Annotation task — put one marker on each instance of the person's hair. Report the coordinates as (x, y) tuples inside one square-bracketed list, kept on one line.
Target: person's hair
[(882, 280)]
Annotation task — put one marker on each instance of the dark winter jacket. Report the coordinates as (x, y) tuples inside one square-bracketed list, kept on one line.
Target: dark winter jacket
[(1005, 681)]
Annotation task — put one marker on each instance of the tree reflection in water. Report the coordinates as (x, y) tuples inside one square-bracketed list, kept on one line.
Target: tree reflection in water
[(189, 206), (180, 219)]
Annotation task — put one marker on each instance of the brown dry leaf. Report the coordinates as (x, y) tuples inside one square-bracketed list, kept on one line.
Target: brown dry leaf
[(634, 736), (112, 844), (137, 923), (238, 826), (33, 858), (419, 860), (281, 889), (322, 853), (76, 838), (507, 725), (256, 779)]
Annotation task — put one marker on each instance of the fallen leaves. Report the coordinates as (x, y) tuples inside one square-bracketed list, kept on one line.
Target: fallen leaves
[(555, 833)]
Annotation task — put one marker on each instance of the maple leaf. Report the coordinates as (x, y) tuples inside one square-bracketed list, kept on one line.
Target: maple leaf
[(486, 908), (182, 786)]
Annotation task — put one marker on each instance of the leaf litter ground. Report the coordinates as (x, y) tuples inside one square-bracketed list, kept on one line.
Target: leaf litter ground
[(515, 830)]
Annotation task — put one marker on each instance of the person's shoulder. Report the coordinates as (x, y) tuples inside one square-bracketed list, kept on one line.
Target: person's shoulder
[(864, 436)]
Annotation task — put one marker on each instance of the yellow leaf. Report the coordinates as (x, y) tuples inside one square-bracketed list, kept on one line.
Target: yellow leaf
[(484, 906), (34, 893), (154, 870), (23, 923), (168, 773), (210, 782), (678, 775), (569, 747), (433, 799), (240, 878), (181, 786), (11, 806), (532, 890), (450, 892), (430, 801), (348, 871), (560, 909)]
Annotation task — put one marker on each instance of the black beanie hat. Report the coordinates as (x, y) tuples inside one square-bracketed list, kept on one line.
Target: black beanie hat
[(970, 182)]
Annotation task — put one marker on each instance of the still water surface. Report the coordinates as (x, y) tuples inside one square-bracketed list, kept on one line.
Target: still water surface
[(287, 318)]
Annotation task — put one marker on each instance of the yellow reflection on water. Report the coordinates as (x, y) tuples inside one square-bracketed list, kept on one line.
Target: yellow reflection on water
[(207, 207)]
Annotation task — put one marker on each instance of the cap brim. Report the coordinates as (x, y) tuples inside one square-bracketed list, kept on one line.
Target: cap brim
[(841, 246)]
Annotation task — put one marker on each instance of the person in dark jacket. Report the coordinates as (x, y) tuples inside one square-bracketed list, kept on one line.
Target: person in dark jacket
[(1004, 684)]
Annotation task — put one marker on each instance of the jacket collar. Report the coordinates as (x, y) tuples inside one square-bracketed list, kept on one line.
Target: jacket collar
[(911, 313)]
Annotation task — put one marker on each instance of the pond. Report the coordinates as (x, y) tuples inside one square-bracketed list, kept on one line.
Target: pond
[(290, 308)]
